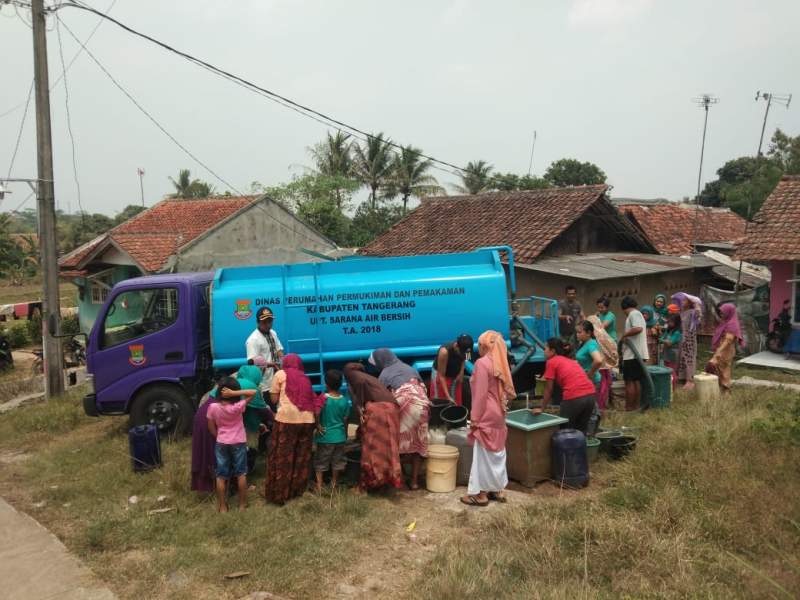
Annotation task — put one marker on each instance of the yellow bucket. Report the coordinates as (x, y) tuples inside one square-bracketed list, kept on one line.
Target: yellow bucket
[(441, 468)]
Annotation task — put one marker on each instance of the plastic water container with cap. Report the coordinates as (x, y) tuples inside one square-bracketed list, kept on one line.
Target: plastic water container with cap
[(458, 439), (570, 462)]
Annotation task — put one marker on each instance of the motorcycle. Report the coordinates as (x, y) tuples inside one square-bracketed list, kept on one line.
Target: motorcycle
[(74, 356), (780, 330)]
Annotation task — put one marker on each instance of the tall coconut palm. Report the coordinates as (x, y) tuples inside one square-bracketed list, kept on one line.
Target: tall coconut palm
[(186, 187), (411, 178), (332, 156), (373, 164), (476, 178)]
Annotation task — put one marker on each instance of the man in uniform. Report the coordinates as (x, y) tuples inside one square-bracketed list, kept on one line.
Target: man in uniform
[(264, 347)]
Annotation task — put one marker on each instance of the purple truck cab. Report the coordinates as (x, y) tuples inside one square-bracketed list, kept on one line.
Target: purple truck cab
[(149, 351)]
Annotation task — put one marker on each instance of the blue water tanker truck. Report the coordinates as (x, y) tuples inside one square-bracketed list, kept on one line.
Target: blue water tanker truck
[(159, 341)]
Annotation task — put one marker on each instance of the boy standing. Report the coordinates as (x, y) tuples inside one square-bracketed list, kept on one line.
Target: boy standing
[(331, 431), (632, 371), (226, 424)]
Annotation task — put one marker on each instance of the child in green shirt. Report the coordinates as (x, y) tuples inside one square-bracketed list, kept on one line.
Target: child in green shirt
[(331, 431), (670, 342)]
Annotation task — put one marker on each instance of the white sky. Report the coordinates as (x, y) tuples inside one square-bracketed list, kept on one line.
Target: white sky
[(608, 81)]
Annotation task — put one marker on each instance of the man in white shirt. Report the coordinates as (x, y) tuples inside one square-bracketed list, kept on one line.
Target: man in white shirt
[(632, 370), (264, 347)]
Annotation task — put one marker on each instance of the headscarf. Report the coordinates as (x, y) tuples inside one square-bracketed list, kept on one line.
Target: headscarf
[(394, 372), (649, 314), (492, 344), (674, 309), (298, 385), (663, 310), (729, 324), (608, 347), (693, 315), (363, 387)]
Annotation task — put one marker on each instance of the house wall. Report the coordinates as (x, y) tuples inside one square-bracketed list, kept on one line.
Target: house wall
[(87, 310), (643, 288), (590, 234), (779, 287), (254, 237)]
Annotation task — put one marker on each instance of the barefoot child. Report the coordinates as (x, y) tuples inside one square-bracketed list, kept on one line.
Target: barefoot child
[(226, 424), (331, 431)]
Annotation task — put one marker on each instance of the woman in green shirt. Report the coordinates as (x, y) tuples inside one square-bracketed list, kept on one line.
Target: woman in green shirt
[(607, 318), (590, 358), (670, 342)]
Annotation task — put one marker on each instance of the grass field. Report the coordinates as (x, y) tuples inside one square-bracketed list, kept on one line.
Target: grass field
[(707, 506), (32, 291)]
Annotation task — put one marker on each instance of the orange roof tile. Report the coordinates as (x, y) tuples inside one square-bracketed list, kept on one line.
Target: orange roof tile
[(154, 235), (671, 227), (775, 231)]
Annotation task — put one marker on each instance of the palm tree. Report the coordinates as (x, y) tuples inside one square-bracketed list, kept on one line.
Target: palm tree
[(411, 178), (476, 178), (373, 165), (186, 187), (332, 156)]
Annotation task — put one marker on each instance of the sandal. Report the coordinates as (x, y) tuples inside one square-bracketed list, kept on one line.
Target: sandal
[(473, 501), (497, 497)]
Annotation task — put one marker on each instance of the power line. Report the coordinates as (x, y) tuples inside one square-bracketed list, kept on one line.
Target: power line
[(71, 62), (69, 119), (147, 114), (19, 133), (302, 109)]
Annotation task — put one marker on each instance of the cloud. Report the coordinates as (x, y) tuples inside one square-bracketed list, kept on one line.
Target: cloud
[(584, 14)]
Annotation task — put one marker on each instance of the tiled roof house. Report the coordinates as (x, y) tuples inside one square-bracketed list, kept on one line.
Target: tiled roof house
[(188, 235), (675, 229), (774, 237)]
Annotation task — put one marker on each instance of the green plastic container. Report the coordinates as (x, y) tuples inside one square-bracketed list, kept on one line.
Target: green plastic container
[(662, 382), (592, 449)]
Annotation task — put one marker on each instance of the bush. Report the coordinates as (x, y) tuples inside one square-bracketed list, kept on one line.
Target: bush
[(34, 326), (17, 334), (70, 325)]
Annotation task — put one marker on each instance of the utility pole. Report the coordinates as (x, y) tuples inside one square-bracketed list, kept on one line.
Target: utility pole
[(45, 198), (785, 100), (140, 172), (705, 101)]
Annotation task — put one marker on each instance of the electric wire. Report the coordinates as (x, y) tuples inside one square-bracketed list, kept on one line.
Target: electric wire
[(19, 133), (71, 62), (69, 118), (280, 99)]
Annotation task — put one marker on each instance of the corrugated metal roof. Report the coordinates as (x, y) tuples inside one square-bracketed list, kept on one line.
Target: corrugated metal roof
[(612, 265)]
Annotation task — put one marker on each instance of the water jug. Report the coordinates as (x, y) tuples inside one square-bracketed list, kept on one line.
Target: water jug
[(458, 438), (570, 463)]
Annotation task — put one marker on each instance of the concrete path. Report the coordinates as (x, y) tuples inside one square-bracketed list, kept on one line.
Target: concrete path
[(35, 565), (747, 380)]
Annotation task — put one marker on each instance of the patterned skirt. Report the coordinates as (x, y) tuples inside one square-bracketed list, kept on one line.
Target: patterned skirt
[(380, 446), (289, 461), (414, 414), (687, 361)]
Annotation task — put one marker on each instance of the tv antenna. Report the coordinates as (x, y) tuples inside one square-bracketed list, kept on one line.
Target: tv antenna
[(704, 102), (533, 146), (782, 99)]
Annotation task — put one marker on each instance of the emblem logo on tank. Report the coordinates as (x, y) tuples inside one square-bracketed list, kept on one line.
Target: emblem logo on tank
[(243, 310), (137, 358)]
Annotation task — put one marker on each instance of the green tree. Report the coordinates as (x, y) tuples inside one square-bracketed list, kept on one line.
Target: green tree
[(368, 222), (186, 187), (333, 158), (509, 182), (82, 228), (568, 171), (746, 197), (785, 151), (128, 212), (410, 176), (373, 165), (732, 173), (475, 178)]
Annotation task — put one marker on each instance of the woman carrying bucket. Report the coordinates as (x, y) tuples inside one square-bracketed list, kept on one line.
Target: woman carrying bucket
[(492, 388), (409, 392)]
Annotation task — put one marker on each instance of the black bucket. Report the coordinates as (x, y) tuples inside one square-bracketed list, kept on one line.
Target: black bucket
[(454, 416), (437, 406), (620, 447)]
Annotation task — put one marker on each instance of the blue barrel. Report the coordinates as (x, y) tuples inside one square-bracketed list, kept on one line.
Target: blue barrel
[(569, 459), (144, 445)]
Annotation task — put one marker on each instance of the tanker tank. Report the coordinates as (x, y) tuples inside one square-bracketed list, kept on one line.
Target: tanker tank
[(342, 310)]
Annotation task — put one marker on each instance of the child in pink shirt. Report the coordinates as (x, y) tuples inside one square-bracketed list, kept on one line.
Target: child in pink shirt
[(225, 422)]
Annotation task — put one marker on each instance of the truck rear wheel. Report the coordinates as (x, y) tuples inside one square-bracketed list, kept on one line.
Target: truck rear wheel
[(164, 406)]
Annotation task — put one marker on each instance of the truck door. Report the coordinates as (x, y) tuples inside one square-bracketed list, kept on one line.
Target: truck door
[(140, 339)]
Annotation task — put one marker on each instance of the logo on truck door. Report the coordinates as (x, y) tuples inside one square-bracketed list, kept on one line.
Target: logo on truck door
[(243, 310), (137, 358)]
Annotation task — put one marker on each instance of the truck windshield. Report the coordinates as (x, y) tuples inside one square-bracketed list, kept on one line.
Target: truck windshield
[(136, 313)]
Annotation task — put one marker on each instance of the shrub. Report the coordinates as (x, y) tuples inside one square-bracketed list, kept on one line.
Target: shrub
[(70, 325), (34, 327), (17, 334)]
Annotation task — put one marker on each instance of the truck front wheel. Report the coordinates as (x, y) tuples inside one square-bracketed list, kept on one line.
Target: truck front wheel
[(164, 406)]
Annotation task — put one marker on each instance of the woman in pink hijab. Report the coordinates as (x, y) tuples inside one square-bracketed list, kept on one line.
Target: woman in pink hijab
[(727, 336), (492, 388)]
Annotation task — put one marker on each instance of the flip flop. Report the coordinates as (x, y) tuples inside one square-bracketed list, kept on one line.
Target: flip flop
[(473, 501), (497, 498)]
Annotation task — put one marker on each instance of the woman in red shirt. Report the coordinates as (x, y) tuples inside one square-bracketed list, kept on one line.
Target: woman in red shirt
[(577, 390)]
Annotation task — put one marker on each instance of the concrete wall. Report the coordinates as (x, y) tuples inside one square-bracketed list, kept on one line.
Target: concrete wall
[(780, 289), (254, 237), (643, 288)]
